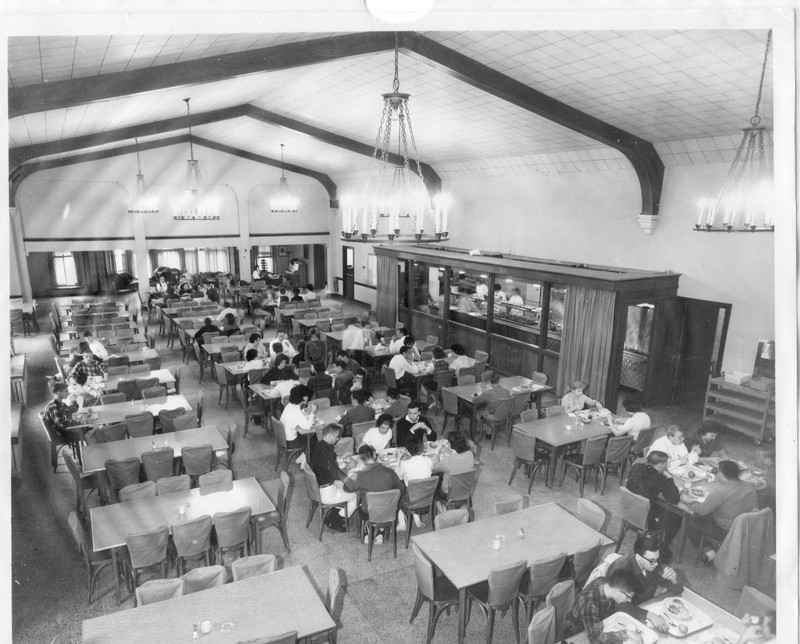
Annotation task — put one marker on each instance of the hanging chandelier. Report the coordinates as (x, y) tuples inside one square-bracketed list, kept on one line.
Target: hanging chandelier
[(745, 201), (284, 202), (195, 203), (143, 201), (394, 191)]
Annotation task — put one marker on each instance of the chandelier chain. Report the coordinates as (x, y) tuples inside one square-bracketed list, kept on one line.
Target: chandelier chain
[(138, 163), (189, 114), (396, 83), (756, 118)]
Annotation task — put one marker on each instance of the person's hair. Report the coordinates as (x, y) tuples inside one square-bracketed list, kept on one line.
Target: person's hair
[(310, 286), (710, 426), (361, 372), (412, 405), (414, 445), (366, 452), (458, 349), (281, 357), (393, 392), (226, 304), (674, 429), (359, 396), (342, 352), (625, 581), (633, 404), (497, 287), (646, 543), (408, 341), (83, 347), (230, 319), (254, 337), (384, 418), (331, 428), (516, 290), (318, 366), (656, 457), (207, 322), (87, 334), (313, 334), (81, 377), (458, 442), (296, 290), (494, 377), (577, 384), (438, 353), (277, 347), (251, 354), (340, 363), (57, 386), (729, 469), (297, 394), (404, 350), (402, 331), (282, 291)]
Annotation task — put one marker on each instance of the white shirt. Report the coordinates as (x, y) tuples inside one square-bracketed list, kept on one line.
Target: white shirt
[(256, 274), (259, 347), (402, 366), (294, 418), (353, 338), (481, 291), (516, 300), (225, 312), (634, 425), (283, 388), (674, 452), (309, 295), (394, 347), (499, 296), (253, 364), (461, 362), (375, 439), (286, 348), (416, 467), (98, 348)]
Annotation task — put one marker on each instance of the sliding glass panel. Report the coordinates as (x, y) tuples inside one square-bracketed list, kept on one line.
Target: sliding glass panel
[(467, 304), (428, 288), (517, 309), (555, 320)]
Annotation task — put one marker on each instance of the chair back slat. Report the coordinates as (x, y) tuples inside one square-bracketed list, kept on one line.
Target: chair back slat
[(382, 506), (504, 583), (635, 508), (593, 450), (148, 548)]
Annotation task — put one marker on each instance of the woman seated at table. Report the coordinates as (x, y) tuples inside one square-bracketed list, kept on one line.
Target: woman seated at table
[(637, 420), (294, 417), (229, 325), (252, 361), (462, 360), (380, 436), (703, 442), (575, 400), (460, 459), (282, 369), (412, 469), (254, 342)]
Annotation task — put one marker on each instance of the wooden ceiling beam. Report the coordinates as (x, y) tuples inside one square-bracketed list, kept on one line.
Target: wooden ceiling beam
[(69, 93), (642, 155)]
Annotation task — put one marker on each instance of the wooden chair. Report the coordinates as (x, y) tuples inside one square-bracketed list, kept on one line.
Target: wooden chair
[(450, 518), (553, 410), (281, 445), (192, 541), (94, 562), (381, 513), (119, 473), (278, 517), (203, 578), (643, 440), (583, 562), (158, 463), (215, 477), (197, 460), (511, 504), (591, 514), (452, 409), (251, 410), (138, 491), (498, 420), (84, 485), (538, 580), (434, 589), (420, 499), (542, 627), (615, 458), (227, 383), (462, 487), (170, 484), (252, 566), (147, 550), (562, 598), (585, 462), (635, 509), (233, 531), (525, 453), (323, 509), (110, 399), (154, 392), (498, 593)]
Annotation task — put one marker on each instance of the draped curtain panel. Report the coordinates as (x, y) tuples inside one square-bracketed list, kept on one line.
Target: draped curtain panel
[(586, 341), (94, 268), (640, 324), (386, 300)]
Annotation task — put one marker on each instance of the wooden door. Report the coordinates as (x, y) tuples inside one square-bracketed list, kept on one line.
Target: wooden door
[(348, 272)]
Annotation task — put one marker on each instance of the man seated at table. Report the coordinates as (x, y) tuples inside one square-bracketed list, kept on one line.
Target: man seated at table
[(462, 360), (230, 325), (650, 479), (286, 346), (380, 436), (309, 294), (350, 364), (58, 413), (398, 339), (252, 361), (637, 420), (714, 516), (372, 477), (414, 424), (575, 400), (254, 342), (319, 380), (360, 384), (342, 380), (208, 327), (458, 459), (358, 413), (90, 365), (353, 341), (226, 310), (672, 444), (397, 408), (296, 297), (83, 392), (486, 403), (96, 346), (404, 369), (645, 564), (330, 478), (598, 600)]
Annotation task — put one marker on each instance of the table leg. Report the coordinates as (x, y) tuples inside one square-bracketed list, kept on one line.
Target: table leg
[(682, 536), (115, 568), (462, 614), (551, 467)]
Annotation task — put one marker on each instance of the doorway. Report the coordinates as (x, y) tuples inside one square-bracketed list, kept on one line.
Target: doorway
[(348, 272)]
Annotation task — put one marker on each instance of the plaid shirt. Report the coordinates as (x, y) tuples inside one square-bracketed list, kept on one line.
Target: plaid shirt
[(90, 367), (491, 398), (58, 414), (590, 609)]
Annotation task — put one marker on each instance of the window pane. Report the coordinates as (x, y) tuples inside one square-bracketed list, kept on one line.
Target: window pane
[(120, 261), (64, 269), (555, 322), (467, 304), (517, 309), (428, 283), (372, 270)]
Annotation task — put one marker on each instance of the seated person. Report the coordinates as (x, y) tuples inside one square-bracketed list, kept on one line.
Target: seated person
[(284, 387), (319, 380), (398, 340), (462, 360), (673, 446), (90, 365), (358, 413), (309, 294), (714, 516), (575, 400), (408, 341), (58, 412), (342, 380), (184, 288), (460, 459), (295, 418), (227, 310), (254, 342), (645, 564), (465, 303), (397, 408), (359, 384), (84, 394), (95, 345), (212, 294), (650, 480), (414, 424), (486, 403), (429, 384), (331, 479), (282, 369), (415, 468), (404, 368), (703, 442), (208, 327), (286, 346), (637, 420), (380, 436), (229, 326), (350, 364), (600, 599), (77, 355), (296, 297), (252, 361)]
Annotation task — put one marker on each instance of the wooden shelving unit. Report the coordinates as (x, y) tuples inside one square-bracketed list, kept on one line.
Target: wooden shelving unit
[(740, 408)]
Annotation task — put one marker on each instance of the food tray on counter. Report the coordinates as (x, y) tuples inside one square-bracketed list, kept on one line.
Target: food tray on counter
[(678, 613), (620, 621)]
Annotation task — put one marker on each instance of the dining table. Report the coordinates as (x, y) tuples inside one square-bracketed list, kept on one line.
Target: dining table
[(116, 412), (73, 343), (534, 534), (94, 456), (136, 357), (165, 377), (112, 523), (70, 331), (559, 432)]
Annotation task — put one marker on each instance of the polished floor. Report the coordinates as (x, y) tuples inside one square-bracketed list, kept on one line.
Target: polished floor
[(49, 583)]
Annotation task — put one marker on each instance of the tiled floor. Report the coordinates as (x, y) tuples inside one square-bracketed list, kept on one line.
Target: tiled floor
[(49, 584)]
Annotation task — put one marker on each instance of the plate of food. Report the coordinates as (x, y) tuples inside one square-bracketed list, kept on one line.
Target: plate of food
[(622, 622), (676, 608), (688, 472), (699, 491)]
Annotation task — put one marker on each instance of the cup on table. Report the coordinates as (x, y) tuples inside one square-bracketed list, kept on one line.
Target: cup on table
[(206, 625), (498, 541)]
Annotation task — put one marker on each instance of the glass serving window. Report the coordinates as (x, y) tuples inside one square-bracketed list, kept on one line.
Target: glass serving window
[(468, 301), (517, 309), (427, 283), (555, 318)]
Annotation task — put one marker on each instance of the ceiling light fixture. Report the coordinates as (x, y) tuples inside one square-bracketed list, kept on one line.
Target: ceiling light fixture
[(394, 190), (195, 203), (745, 201), (143, 201), (284, 202)]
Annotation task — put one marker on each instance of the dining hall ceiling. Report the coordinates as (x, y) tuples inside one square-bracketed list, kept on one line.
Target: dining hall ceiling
[(481, 102)]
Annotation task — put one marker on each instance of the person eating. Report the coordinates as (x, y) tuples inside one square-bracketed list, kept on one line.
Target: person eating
[(575, 400), (58, 412), (380, 436), (672, 444), (414, 424), (330, 479), (637, 420)]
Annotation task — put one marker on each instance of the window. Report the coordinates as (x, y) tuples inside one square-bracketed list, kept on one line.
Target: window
[(555, 318), (169, 258), (372, 270), (213, 260), (265, 261), (64, 269), (428, 282), (517, 308), (468, 293), (121, 261)]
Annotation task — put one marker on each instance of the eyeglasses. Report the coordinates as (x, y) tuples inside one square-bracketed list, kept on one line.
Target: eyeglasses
[(628, 598), (651, 561)]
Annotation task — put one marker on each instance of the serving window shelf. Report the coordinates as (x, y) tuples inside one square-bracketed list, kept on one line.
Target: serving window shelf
[(740, 408), (450, 293)]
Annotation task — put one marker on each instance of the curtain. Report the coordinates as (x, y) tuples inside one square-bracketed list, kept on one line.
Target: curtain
[(637, 335), (586, 341), (190, 260), (386, 299), (94, 268)]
